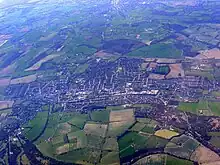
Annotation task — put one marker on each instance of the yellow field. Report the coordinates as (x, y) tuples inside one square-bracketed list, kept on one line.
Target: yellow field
[(165, 133), (122, 115), (24, 80), (37, 65)]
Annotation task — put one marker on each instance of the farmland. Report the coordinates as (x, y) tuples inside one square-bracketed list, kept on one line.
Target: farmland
[(25, 79), (199, 108), (110, 82)]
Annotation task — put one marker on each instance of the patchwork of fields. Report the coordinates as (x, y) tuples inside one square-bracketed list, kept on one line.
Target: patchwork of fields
[(109, 136)]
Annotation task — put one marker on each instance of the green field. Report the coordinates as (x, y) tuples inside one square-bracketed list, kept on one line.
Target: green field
[(34, 127), (215, 141), (114, 131), (204, 74), (82, 156), (216, 93), (171, 160), (207, 108), (162, 159), (81, 68), (110, 158), (78, 120), (138, 126), (215, 107), (100, 116), (110, 144), (182, 146), (94, 141), (157, 51)]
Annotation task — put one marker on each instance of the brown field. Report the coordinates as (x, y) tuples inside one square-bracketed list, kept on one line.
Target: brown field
[(6, 104), (156, 76), (204, 155), (4, 82), (206, 54), (62, 149), (212, 163), (37, 65), (8, 69), (24, 80), (122, 115), (117, 124), (153, 65), (215, 123), (96, 129), (176, 71)]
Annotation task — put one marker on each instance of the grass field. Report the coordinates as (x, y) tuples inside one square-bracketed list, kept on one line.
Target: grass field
[(207, 108), (35, 126), (131, 138), (81, 68), (110, 158), (138, 126), (101, 116), (182, 146), (78, 120), (167, 134), (215, 141), (127, 151), (82, 156), (215, 107), (157, 51), (111, 144), (215, 138), (162, 159), (205, 74), (193, 107), (171, 160), (94, 141), (216, 93), (156, 159), (117, 128), (149, 125), (80, 136), (120, 121)]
